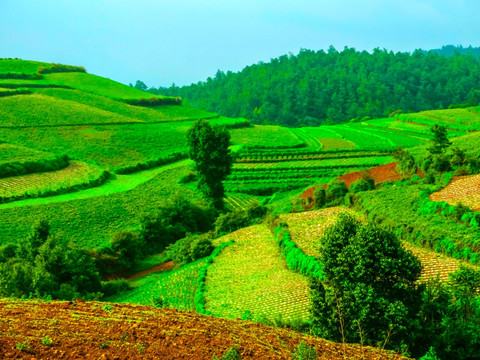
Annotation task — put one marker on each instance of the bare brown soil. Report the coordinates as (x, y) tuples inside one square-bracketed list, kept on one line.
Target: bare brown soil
[(92, 330), (379, 174)]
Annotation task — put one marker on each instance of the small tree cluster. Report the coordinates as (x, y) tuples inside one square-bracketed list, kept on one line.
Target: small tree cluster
[(42, 265)]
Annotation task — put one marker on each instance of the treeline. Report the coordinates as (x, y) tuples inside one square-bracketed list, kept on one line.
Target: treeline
[(318, 87)]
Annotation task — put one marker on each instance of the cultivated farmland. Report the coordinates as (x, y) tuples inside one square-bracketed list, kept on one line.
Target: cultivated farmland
[(250, 279)]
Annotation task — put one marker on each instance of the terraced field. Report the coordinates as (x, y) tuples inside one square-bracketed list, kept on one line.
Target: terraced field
[(464, 189), (74, 176), (307, 228), (250, 279)]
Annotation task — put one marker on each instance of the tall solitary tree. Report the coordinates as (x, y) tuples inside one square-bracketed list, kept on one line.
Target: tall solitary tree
[(208, 148), (369, 293)]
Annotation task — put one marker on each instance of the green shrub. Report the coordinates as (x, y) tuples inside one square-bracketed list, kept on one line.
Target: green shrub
[(362, 185), (335, 192), (304, 352), (114, 287), (191, 248), (319, 197), (231, 221), (460, 210)]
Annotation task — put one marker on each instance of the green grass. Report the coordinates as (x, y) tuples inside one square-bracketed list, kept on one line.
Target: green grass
[(21, 66), (10, 153), (175, 288), (460, 119), (397, 207), (265, 136), (98, 85), (75, 176), (251, 276), (38, 110), (91, 217), (136, 113)]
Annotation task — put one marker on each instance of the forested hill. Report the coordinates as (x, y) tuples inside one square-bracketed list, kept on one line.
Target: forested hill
[(312, 88)]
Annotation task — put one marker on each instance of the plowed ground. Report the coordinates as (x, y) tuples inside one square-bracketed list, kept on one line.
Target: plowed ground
[(81, 330)]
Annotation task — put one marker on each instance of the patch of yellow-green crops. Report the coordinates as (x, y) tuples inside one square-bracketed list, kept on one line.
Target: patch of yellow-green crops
[(89, 218), (75, 176), (250, 278), (173, 289)]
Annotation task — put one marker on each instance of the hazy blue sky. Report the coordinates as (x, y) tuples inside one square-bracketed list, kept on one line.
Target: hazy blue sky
[(185, 41)]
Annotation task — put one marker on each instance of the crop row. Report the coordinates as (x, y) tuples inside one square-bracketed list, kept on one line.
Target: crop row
[(303, 157), (74, 177), (317, 164), (307, 152), (250, 280)]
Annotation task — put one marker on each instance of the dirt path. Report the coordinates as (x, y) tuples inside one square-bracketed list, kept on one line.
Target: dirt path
[(154, 269)]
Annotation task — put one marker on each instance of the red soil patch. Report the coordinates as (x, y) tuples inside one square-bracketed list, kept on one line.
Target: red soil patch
[(379, 174), (157, 268), (89, 330)]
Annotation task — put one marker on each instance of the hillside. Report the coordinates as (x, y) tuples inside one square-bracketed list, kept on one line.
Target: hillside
[(317, 87), (90, 330), (99, 201)]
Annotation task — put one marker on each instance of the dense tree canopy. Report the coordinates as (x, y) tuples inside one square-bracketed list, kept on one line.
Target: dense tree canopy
[(314, 87), (369, 294), (208, 148)]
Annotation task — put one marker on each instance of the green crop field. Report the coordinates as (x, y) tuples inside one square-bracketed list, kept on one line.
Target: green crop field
[(266, 137), (76, 176), (172, 289), (117, 205), (250, 278)]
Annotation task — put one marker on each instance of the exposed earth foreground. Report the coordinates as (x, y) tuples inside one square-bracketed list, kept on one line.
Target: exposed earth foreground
[(94, 330)]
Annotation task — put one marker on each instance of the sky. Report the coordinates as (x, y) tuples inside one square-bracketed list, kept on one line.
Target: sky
[(186, 41)]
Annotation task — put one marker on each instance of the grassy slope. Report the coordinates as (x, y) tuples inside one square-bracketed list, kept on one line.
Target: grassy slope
[(10, 153), (39, 110), (91, 222), (98, 85), (21, 66)]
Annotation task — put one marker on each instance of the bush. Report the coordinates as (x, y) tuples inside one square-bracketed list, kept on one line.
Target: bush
[(319, 197), (304, 352), (362, 185), (460, 210), (128, 246), (335, 192), (173, 221), (191, 248), (231, 221), (114, 287)]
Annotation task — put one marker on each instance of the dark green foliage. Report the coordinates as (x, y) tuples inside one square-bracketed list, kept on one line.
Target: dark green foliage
[(369, 293), (191, 248), (114, 287), (319, 197), (155, 101), (60, 68), (128, 246), (335, 192), (430, 355), (316, 87), (44, 266), (362, 185), (208, 148), (450, 317), (296, 259), (173, 221), (460, 211), (237, 219), (18, 168), (440, 139), (304, 352), (405, 161)]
